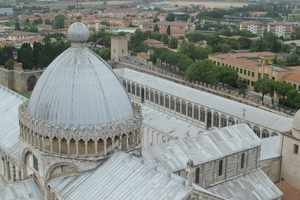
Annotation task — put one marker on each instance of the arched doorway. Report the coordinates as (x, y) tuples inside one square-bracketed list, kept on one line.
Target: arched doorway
[(31, 81)]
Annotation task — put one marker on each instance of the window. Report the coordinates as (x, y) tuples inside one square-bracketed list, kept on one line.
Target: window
[(220, 168), (35, 163), (243, 161), (156, 97), (296, 148), (252, 74), (196, 112), (190, 110), (167, 101), (138, 90), (161, 99), (197, 175)]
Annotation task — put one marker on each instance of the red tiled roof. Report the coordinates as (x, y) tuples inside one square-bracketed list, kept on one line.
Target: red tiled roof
[(289, 192), (245, 59)]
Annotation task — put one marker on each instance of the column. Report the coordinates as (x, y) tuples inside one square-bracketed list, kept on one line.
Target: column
[(104, 143), (96, 146)]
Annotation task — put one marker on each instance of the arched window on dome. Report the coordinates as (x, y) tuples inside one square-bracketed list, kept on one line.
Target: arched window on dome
[(72, 146), (131, 140), (47, 143), (108, 144), (91, 147), (81, 147), (55, 146), (124, 142), (63, 146), (100, 146), (124, 84), (117, 141)]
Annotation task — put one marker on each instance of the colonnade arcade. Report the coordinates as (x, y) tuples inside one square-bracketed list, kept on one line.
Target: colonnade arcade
[(9, 169), (83, 142), (208, 117), (82, 146)]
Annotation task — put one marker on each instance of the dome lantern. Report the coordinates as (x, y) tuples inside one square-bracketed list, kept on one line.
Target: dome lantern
[(78, 33)]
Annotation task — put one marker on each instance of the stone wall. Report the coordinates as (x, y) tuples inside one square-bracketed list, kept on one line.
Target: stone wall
[(19, 80), (272, 168), (291, 161)]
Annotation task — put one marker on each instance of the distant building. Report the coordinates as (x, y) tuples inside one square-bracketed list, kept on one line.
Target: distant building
[(252, 66), (119, 47), (280, 29), (177, 28), (6, 11)]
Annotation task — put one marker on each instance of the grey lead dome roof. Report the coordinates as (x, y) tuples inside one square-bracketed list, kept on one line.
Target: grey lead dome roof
[(79, 89)]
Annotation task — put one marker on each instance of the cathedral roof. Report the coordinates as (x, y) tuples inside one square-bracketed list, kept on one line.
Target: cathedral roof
[(125, 177), (9, 123), (79, 89), (255, 186), (208, 146)]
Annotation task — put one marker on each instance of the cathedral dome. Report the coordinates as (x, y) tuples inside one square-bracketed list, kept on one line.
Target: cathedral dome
[(79, 89)]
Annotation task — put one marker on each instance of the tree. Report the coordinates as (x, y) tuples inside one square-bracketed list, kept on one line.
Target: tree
[(264, 86), (25, 56), (296, 34), (204, 71), (227, 76), (156, 28), (169, 30), (173, 43), (104, 53), (59, 21), (9, 64), (170, 17), (17, 25)]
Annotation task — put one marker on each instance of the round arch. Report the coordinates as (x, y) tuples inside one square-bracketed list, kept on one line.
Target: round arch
[(60, 169), (31, 81)]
